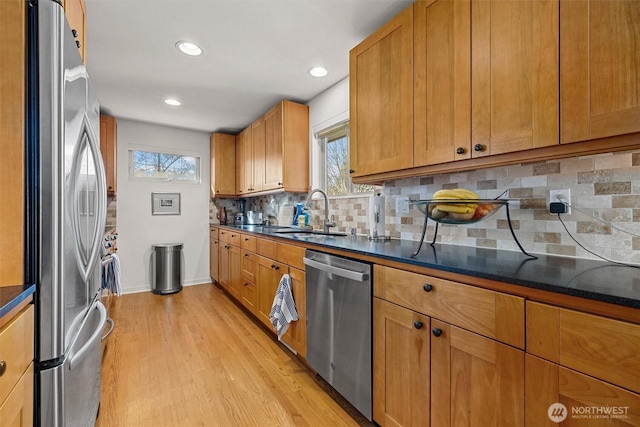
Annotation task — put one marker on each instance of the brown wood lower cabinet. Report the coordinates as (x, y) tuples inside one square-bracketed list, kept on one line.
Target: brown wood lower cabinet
[(428, 372), (235, 281), (401, 365), (556, 395), (223, 272), (214, 260), (268, 278), (475, 381)]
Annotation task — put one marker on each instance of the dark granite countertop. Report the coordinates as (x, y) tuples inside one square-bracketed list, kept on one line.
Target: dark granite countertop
[(584, 278), (11, 296)]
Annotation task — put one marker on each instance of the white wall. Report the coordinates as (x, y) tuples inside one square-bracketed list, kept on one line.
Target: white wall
[(138, 230), (326, 109)]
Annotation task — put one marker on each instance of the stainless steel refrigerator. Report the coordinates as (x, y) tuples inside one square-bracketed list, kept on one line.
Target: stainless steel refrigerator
[(66, 213)]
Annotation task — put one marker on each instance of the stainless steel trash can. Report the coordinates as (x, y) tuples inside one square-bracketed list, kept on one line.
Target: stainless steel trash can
[(167, 270)]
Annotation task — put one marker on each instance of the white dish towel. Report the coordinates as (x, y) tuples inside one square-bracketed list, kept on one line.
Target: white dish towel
[(283, 310)]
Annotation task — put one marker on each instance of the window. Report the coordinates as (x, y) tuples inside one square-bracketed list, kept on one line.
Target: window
[(336, 145), (158, 166)]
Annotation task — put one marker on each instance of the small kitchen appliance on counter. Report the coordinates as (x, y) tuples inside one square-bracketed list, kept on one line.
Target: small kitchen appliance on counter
[(240, 217), (254, 217), (376, 218)]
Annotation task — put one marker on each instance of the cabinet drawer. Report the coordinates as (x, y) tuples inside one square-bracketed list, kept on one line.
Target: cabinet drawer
[(267, 248), (213, 233), (598, 346), (248, 242), (291, 255), (248, 265), (489, 313), (233, 238), (16, 349)]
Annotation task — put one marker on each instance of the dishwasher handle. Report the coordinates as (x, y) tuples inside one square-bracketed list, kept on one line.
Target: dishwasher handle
[(347, 274)]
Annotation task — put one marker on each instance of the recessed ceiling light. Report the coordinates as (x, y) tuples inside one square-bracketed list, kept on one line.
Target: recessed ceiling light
[(189, 48), (318, 71), (171, 101)]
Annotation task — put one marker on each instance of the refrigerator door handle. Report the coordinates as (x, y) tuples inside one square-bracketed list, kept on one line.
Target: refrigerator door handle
[(76, 357)]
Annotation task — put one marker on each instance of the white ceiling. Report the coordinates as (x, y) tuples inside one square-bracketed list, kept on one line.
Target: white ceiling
[(256, 52)]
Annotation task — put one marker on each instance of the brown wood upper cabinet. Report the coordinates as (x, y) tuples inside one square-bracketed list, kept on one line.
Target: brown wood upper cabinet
[(273, 153), (223, 160), (600, 69), (486, 78), (381, 99), (109, 152), (75, 11), (244, 161)]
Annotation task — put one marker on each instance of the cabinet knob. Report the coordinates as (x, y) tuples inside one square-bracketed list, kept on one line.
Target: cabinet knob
[(3, 367), (427, 288), (246, 255), (436, 332), (78, 44), (275, 267), (217, 191), (417, 324), (460, 150), (478, 147), (75, 33), (352, 171), (280, 184), (226, 247), (246, 239)]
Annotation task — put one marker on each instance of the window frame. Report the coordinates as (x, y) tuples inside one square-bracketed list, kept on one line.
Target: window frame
[(159, 150), (327, 135)]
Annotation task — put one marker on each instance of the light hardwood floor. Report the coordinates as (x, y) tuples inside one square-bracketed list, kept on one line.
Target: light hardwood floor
[(196, 359)]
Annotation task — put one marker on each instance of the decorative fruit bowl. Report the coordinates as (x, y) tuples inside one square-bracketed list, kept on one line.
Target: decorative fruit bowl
[(459, 212)]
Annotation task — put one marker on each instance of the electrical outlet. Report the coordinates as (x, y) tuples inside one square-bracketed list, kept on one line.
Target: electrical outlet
[(561, 196), (402, 205)]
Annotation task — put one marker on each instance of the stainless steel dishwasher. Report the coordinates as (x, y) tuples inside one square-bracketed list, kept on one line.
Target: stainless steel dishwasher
[(339, 325)]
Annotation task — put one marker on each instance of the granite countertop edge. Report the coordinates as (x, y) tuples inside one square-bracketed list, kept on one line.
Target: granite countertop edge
[(11, 296), (578, 277)]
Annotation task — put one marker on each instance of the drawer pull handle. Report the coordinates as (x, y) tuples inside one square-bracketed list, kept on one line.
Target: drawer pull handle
[(417, 324), (427, 288), (436, 332), (275, 267), (246, 239), (3, 367)]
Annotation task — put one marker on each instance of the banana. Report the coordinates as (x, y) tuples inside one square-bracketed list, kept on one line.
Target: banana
[(455, 194), (457, 208)]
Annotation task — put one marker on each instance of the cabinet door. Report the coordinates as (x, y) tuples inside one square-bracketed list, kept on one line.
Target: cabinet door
[(514, 75), (223, 265), (296, 335), (244, 161), (249, 295), (549, 384), (75, 13), (17, 409), (600, 69), (109, 151), (235, 281), (12, 125), (269, 274), (381, 99), (214, 259), (273, 122), (258, 133), (442, 88), (475, 381), (401, 358), (223, 160)]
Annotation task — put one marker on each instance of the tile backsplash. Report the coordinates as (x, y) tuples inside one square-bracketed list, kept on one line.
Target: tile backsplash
[(605, 199)]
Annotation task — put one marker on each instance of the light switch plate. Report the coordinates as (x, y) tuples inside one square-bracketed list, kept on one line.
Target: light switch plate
[(402, 205)]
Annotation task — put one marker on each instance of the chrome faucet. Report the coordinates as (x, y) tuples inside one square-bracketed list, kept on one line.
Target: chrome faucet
[(326, 224)]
